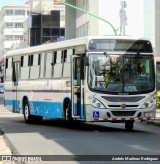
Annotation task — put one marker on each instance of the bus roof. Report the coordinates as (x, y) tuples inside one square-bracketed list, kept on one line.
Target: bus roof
[(67, 43)]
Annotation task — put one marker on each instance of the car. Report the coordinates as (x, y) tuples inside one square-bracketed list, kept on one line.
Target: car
[(1, 88)]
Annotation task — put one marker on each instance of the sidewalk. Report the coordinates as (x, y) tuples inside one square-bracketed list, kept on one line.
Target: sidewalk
[(4, 146), (5, 150), (157, 120)]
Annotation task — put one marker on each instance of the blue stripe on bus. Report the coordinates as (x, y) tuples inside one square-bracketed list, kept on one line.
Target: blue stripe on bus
[(11, 103), (45, 109)]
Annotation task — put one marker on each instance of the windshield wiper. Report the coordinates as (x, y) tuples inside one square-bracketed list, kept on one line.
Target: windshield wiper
[(110, 59)]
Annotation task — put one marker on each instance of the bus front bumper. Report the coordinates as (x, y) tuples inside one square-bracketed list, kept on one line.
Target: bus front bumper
[(119, 115)]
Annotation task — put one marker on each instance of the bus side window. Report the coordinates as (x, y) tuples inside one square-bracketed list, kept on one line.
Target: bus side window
[(42, 65), (55, 57), (6, 63), (9, 69), (22, 57), (58, 65), (24, 67), (34, 68), (66, 68), (48, 64)]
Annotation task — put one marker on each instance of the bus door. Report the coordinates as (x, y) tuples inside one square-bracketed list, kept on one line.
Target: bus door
[(77, 87), (15, 79)]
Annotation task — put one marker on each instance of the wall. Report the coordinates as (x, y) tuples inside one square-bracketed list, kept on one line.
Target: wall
[(149, 20), (94, 22), (70, 17), (157, 27)]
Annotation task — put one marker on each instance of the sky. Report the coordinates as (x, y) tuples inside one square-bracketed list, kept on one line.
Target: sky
[(7, 2)]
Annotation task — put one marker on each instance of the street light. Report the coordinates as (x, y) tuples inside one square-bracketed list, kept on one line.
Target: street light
[(89, 13)]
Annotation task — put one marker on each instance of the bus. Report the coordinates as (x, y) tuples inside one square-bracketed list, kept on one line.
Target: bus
[(88, 79)]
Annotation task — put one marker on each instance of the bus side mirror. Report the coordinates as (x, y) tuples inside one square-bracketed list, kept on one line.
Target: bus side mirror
[(86, 61)]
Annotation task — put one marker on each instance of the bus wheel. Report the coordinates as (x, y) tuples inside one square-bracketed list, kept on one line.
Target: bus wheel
[(129, 125), (27, 117), (68, 112)]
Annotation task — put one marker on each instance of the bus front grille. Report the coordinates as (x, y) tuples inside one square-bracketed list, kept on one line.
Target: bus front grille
[(120, 106), (123, 113), (123, 99)]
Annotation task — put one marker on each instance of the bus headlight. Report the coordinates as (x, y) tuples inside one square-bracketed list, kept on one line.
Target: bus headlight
[(97, 104), (149, 103)]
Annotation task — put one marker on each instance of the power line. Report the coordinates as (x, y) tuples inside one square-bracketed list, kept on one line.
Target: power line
[(89, 13)]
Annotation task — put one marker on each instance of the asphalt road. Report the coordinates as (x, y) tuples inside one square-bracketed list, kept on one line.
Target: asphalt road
[(57, 138)]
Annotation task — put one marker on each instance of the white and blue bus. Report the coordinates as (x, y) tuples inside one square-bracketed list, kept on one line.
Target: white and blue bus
[(90, 79)]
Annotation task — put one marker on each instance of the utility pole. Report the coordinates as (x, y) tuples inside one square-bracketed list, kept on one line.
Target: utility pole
[(89, 13), (123, 17)]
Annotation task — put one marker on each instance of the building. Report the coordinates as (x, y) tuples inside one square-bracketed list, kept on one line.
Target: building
[(142, 19), (34, 23), (11, 27), (46, 22), (83, 24)]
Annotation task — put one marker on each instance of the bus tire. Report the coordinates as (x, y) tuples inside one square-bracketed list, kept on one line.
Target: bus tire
[(129, 125), (27, 117), (68, 113)]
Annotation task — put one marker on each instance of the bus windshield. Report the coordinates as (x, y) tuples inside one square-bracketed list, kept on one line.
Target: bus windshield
[(128, 73)]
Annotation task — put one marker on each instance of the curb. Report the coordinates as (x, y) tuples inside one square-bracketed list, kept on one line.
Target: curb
[(8, 150), (153, 122), (10, 145), (4, 150)]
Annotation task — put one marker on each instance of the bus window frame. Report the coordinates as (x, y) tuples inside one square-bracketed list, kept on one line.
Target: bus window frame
[(70, 61), (45, 67), (55, 60), (32, 62)]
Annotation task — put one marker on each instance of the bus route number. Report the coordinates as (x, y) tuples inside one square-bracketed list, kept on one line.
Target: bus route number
[(130, 88)]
